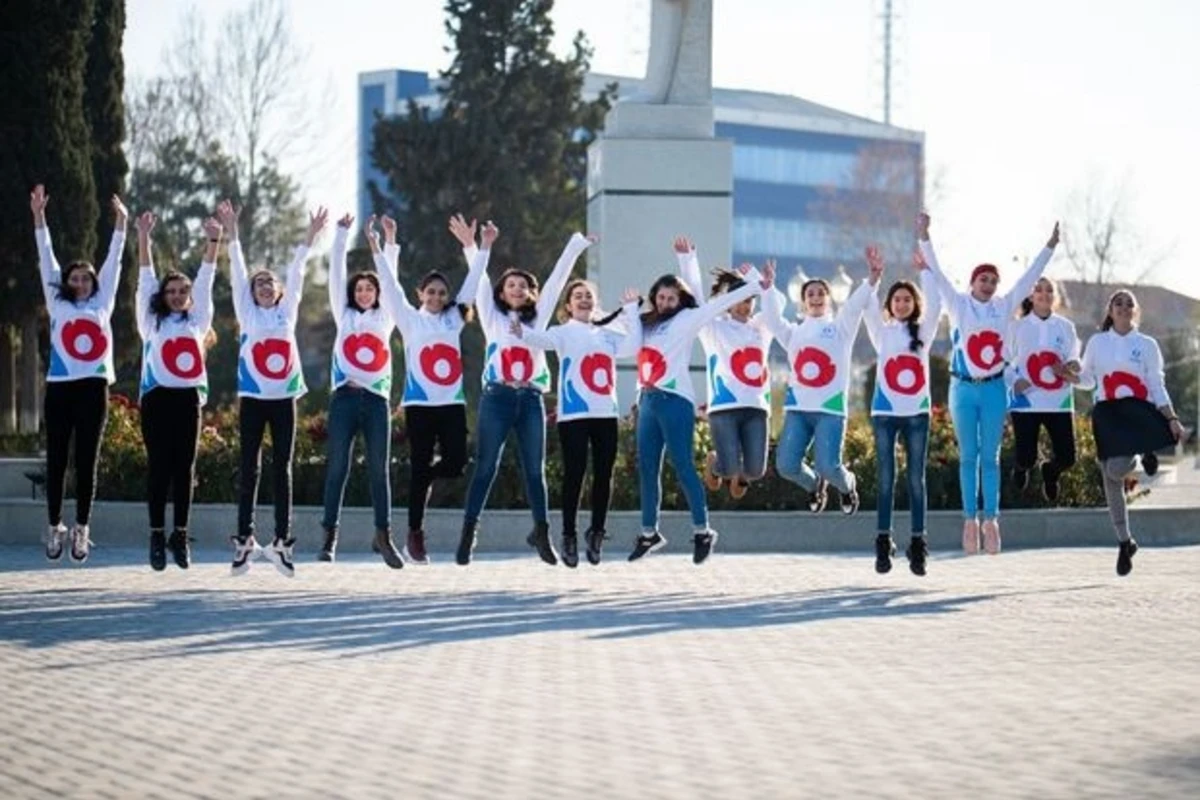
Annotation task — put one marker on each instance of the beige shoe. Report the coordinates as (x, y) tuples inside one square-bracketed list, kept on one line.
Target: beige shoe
[(991, 536), (711, 479), (970, 539), (738, 488)]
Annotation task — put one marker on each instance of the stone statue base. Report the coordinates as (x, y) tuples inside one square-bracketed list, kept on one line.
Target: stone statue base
[(643, 121), (642, 193)]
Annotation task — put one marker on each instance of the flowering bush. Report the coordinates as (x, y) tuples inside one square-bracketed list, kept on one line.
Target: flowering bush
[(123, 467)]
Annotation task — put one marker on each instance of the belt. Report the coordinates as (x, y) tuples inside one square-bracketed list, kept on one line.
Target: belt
[(968, 379)]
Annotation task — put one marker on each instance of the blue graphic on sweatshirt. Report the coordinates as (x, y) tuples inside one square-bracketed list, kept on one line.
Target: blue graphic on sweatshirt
[(721, 396), (880, 402), (413, 391), (572, 402)]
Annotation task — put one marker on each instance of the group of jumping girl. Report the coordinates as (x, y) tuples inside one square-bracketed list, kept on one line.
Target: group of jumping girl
[(1027, 368)]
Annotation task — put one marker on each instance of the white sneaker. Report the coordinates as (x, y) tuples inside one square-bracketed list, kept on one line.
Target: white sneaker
[(80, 544), (243, 553), (55, 536), (279, 553)]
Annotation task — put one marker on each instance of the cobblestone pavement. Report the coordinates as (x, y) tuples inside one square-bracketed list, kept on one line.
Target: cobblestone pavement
[(1035, 674)]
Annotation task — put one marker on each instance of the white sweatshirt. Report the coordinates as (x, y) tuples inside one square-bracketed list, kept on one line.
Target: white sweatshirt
[(818, 350), (362, 355), (1036, 345), (902, 376), (587, 354), (735, 352), (269, 365), (977, 329), (1124, 366), (173, 347), (665, 349), (510, 359), (432, 342), (80, 332)]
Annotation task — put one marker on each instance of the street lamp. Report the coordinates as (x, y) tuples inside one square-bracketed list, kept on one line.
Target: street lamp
[(795, 287), (840, 286)]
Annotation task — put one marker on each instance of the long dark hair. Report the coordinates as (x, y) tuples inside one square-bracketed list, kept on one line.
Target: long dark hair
[(352, 284), (686, 300), (158, 300), (527, 313), (725, 280), (913, 323), (1108, 319), (64, 290), (467, 312)]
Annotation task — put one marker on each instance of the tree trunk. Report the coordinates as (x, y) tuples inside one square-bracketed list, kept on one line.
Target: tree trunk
[(8, 381), (31, 377)]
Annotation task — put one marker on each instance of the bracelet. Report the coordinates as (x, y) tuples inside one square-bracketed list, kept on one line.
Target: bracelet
[(1172, 419)]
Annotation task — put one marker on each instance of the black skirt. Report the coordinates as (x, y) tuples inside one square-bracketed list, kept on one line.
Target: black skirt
[(1129, 427)]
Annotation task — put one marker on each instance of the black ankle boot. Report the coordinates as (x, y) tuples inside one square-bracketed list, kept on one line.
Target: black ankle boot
[(466, 543), (539, 539), (595, 544), (158, 550), (329, 548), (387, 548), (177, 543), (570, 550), (885, 548)]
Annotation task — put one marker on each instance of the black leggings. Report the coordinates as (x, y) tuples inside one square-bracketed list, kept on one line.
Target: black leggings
[(254, 416), (78, 407), (428, 426), (171, 431), (1061, 427), (575, 436)]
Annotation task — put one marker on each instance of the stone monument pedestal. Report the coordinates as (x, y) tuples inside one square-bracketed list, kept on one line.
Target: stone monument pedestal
[(656, 174)]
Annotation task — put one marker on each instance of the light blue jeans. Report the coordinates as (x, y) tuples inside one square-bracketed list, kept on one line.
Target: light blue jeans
[(740, 441), (503, 410), (977, 410), (667, 421), (825, 433), (914, 437)]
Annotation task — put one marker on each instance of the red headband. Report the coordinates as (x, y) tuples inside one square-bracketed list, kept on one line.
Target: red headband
[(982, 268)]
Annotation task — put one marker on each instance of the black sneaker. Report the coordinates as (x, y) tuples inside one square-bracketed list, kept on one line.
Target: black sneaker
[(1050, 477), (885, 548), (539, 539), (819, 497), (177, 543), (570, 550), (850, 502), (466, 544), (702, 545), (595, 545), (245, 550), (329, 548), (917, 553), (280, 553), (1125, 557), (1021, 478), (384, 545), (1150, 464), (158, 550), (647, 543)]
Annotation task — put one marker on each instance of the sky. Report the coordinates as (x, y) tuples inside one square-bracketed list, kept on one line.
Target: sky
[(1023, 103)]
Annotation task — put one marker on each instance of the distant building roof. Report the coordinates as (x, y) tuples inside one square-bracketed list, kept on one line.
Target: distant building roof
[(1162, 309)]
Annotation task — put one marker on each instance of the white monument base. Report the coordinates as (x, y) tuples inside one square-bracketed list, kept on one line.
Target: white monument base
[(642, 193)]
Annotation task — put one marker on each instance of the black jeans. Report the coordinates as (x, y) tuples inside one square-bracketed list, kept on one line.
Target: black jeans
[(443, 427), (171, 431), (78, 407), (254, 417), (1060, 426), (575, 437)]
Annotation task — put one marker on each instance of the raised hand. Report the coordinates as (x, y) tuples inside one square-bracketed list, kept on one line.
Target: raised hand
[(490, 233), (346, 221), (923, 226), (1052, 242), (744, 269), (630, 295), (213, 229), (316, 224), (874, 264), (683, 245), (227, 215), (38, 200), (389, 228), (462, 231), (370, 232), (120, 211), (768, 274), (919, 261), (145, 223)]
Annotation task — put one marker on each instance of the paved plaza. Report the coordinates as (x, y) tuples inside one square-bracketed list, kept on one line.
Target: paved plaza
[(1036, 674)]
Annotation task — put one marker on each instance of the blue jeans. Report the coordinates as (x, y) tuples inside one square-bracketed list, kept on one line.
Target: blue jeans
[(667, 421), (914, 436), (977, 410), (825, 432), (351, 410), (740, 441), (503, 409)]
